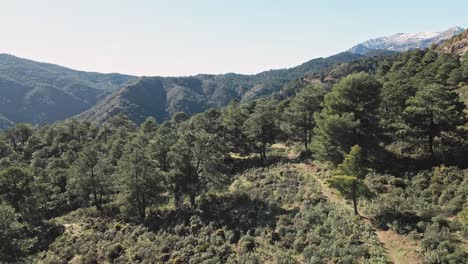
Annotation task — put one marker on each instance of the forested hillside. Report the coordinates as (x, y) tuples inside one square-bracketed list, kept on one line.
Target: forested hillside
[(162, 97), (42, 93), (364, 164)]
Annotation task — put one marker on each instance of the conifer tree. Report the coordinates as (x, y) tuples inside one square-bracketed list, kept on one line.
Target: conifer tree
[(349, 117), (141, 181), (262, 126), (432, 111), (196, 159), (299, 116), (348, 177), (89, 179)]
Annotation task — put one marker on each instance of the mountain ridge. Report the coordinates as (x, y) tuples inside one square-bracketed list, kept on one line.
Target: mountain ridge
[(406, 41), (41, 93), (194, 94)]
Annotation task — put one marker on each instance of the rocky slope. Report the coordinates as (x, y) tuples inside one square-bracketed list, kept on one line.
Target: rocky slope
[(457, 45)]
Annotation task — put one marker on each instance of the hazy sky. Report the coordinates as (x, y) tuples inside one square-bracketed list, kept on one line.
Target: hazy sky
[(153, 37)]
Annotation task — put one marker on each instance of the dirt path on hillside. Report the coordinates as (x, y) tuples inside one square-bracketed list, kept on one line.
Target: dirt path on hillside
[(399, 248)]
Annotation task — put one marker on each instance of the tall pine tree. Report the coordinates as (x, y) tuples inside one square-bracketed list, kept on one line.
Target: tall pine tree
[(433, 112), (299, 116), (349, 117)]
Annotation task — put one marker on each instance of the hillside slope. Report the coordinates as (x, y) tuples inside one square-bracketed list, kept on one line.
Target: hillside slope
[(161, 97), (41, 93), (457, 45)]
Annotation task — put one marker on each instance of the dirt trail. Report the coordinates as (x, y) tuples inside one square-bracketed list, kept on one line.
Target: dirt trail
[(399, 248)]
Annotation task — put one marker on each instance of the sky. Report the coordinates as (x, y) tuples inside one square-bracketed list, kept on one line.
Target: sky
[(180, 38)]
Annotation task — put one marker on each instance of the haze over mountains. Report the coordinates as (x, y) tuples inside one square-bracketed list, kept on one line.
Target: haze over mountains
[(42, 93)]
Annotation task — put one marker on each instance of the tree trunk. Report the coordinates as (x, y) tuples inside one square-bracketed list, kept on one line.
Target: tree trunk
[(143, 206), (164, 163), (431, 144), (192, 200), (355, 205), (96, 202), (176, 196), (139, 204), (355, 198), (95, 198), (306, 140), (431, 136), (311, 119)]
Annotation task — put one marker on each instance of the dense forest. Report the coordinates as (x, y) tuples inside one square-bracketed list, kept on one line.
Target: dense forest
[(312, 176)]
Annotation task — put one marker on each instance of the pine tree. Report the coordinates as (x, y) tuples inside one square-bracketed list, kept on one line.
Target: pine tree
[(141, 180), (196, 160), (12, 235), (393, 102), (432, 111), (150, 126), (299, 116), (349, 117), (348, 177), (261, 127), (161, 144), (15, 186), (234, 117), (89, 177)]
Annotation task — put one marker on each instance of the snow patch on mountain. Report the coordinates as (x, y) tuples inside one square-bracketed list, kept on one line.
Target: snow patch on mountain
[(406, 41)]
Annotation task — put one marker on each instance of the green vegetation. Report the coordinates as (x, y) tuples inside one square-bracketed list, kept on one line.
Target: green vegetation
[(348, 177), (162, 97), (299, 116), (41, 93), (225, 186), (423, 207), (349, 117)]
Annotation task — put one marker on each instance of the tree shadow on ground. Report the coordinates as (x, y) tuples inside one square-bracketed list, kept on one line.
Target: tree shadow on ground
[(233, 210), (385, 161), (405, 221), (238, 166)]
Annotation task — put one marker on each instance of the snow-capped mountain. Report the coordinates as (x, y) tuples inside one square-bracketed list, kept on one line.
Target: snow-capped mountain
[(406, 41)]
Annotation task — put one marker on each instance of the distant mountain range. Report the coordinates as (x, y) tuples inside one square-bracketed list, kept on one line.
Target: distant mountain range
[(161, 97), (41, 93), (406, 41)]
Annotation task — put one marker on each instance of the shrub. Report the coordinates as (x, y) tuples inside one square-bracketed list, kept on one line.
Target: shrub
[(299, 245), (234, 236), (275, 237), (118, 226), (246, 244), (114, 252)]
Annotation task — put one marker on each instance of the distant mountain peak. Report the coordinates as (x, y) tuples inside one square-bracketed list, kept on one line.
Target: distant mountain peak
[(406, 41)]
